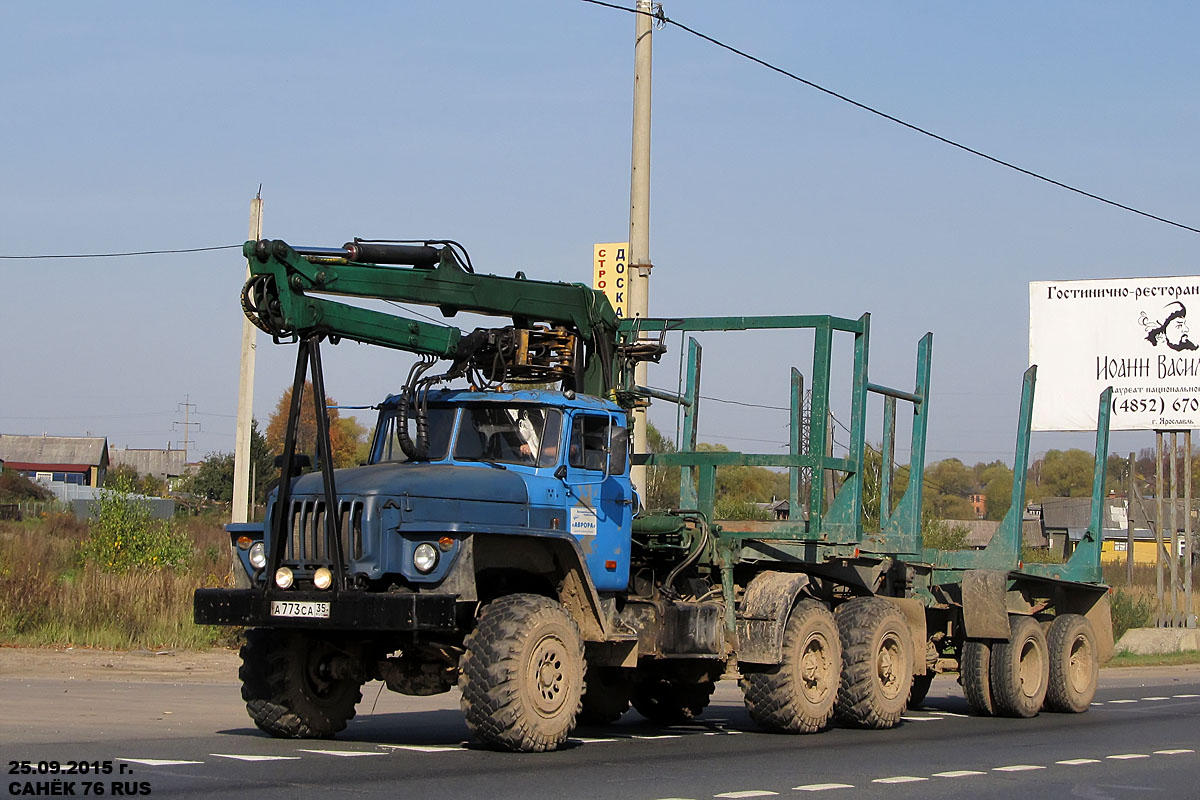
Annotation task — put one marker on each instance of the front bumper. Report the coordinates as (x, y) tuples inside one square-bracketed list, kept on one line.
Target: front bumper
[(348, 610)]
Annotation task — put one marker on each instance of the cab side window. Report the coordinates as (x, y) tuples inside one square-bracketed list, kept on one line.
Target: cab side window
[(592, 437)]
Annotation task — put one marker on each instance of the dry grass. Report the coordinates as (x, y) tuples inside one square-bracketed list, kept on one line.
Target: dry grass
[(47, 597)]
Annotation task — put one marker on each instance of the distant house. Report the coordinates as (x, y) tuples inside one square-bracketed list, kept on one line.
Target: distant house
[(64, 459), (979, 503), (981, 531), (1066, 519), (162, 464)]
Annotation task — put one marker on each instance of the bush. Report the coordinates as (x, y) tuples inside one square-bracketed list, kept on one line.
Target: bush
[(123, 535), (941, 535), (1131, 609), (726, 508), (16, 488)]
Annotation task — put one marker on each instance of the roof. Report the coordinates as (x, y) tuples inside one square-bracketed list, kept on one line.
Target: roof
[(981, 531), (54, 450), (162, 463), (1074, 514)]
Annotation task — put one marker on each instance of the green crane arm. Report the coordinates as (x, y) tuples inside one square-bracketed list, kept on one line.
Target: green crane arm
[(287, 295)]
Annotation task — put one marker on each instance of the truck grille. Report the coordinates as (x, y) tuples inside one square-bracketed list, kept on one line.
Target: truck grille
[(307, 542)]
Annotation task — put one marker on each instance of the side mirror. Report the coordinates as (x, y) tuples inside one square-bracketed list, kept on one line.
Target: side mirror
[(561, 472), (300, 462)]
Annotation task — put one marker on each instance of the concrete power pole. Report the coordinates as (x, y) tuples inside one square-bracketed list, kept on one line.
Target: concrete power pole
[(639, 209), (245, 412)]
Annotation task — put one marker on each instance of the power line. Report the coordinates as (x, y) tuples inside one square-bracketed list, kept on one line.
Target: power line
[(132, 253), (664, 20)]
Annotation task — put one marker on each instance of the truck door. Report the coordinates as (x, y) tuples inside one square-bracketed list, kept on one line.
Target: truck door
[(599, 495)]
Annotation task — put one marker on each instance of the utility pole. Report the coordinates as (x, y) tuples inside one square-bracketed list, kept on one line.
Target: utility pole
[(245, 411), (187, 423), (639, 209)]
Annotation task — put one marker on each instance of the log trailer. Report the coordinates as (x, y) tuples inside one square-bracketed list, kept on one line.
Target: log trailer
[(495, 542)]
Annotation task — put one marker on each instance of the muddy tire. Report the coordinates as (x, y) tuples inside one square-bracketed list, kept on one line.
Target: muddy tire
[(876, 663), (798, 695), (974, 667), (606, 696), (1074, 665), (671, 699), (522, 674), (289, 686), (1020, 669), (920, 688)]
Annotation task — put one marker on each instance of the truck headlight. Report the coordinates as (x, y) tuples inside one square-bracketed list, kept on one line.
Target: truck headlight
[(258, 555), (323, 578), (425, 558), (283, 578)]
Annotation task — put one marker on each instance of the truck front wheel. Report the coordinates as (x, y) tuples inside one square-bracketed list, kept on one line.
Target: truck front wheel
[(607, 695), (522, 674), (298, 685), (798, 696)]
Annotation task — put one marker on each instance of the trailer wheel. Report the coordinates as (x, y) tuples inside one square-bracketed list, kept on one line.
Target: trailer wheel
[(876, 663), (799, 694), (1020, 669), (670, 697), (974, 666), (1074, 667), (295, 684), (522, 674), (606, 696), (920, 688)]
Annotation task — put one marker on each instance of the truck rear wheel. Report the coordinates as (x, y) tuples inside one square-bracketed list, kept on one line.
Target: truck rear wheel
[(876, 663), (799, 694), (974, 665), (920, 688), (1074, 667), (607, 695), (296, 685), (1020, 669), (670, 697), (522, 674)]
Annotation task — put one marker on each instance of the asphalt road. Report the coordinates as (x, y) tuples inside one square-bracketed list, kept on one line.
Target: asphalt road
[(192, 738)]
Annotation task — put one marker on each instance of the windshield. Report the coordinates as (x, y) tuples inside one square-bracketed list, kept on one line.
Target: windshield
[(526, 435), (387, 444)]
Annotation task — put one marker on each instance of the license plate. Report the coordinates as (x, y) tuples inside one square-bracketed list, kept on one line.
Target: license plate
[(293, 608)]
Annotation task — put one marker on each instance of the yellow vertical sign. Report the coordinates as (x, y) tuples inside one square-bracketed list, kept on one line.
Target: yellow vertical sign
[(610, 274)]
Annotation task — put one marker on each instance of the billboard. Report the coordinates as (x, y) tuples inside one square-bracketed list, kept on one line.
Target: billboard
[(610, 274), (1129, 333)]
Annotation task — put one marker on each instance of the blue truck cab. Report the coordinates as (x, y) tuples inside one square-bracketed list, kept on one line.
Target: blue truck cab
[(527, 463)]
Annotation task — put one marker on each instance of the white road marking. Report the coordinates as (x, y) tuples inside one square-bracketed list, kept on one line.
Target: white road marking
[(1097, 704), (958, 773), (723, 733), (424, 748), (1075, 762), (900, 779), (342, 753), (158, 762), (949, 714), (660, 736), (1185, 695), (822, 787), (1156, 698), (1127, 756), (747, 793), (1122, 701), (1172, 752), (592, 739), (1017, 768), (254, 758), (920, 719)]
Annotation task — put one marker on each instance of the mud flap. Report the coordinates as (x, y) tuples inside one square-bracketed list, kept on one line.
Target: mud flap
[(985, 612), (764, 613)]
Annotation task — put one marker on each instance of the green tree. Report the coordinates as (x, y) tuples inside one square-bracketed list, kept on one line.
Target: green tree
[(213, 480), (996, 480), (126, 474), (662, 483), (1063, 473), (948, 486)]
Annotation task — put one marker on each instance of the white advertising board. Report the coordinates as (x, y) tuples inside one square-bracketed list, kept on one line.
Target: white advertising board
[(1129, 333)]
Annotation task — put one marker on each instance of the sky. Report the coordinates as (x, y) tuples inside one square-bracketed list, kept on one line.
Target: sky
[(506, 126)]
